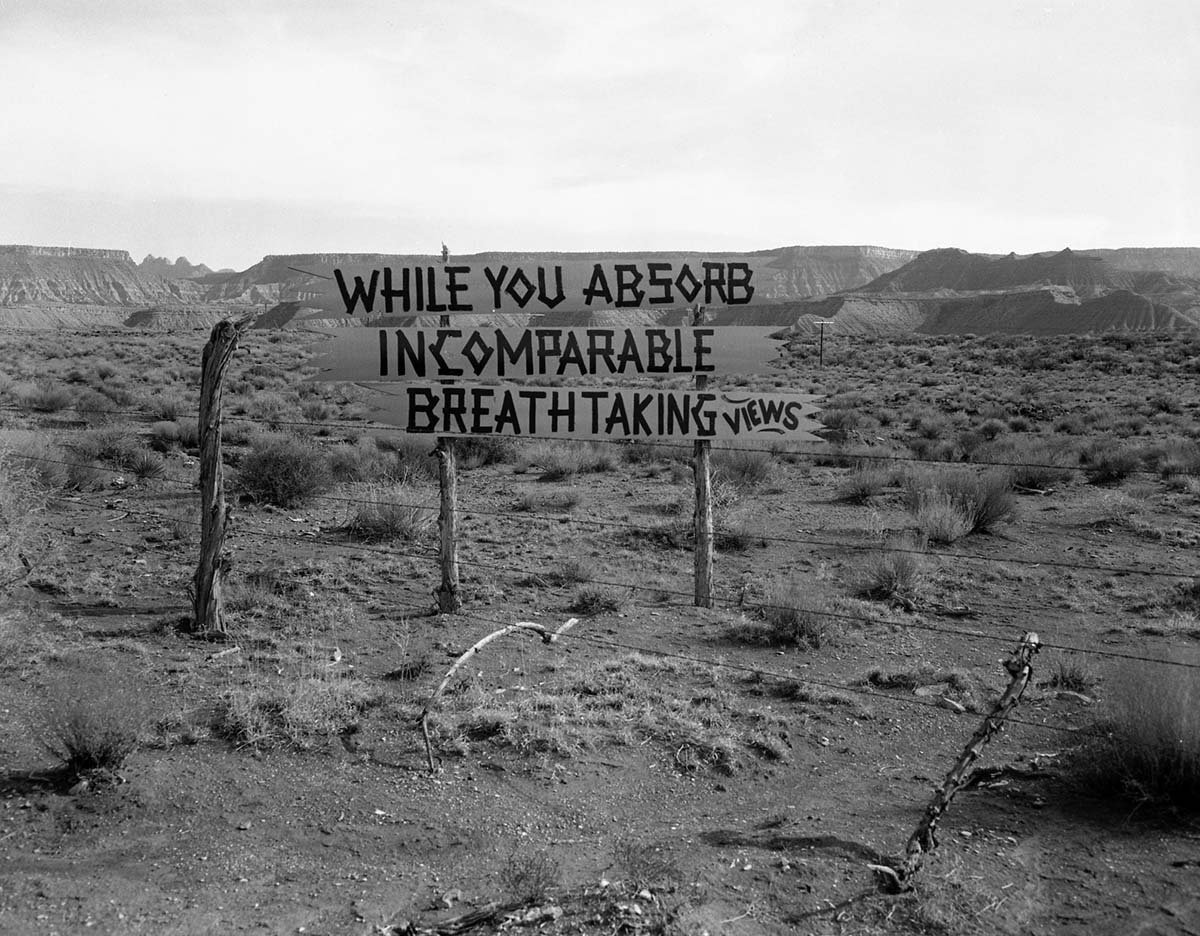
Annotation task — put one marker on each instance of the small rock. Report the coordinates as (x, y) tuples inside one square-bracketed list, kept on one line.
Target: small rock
[(243, 826), (935, 689)]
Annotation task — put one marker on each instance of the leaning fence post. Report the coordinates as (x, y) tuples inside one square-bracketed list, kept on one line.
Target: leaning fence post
[(924, 839), (207, 606), (702, 473)]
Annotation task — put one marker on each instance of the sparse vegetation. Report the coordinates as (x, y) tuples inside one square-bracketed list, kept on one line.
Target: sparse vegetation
[(1145, 742), (283, 470), (390, 512), (92, 722)]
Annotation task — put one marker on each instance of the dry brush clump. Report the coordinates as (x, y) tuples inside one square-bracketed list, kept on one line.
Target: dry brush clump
[(896, 573), (92, 721), (1145, 741), (390, 513), (788, 616), (283, 470), (981, 501)]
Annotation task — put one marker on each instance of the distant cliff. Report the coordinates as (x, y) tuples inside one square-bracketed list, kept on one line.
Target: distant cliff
[(56, 275)]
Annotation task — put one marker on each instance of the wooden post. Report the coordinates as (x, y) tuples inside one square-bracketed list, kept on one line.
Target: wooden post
[(448, 599), (702, 473), (924, 838), (207, 607)]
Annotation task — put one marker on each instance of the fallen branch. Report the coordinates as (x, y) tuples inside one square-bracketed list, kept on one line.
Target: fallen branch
[(548, 637), (898, 877)]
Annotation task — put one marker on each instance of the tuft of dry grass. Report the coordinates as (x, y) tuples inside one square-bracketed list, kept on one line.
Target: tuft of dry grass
[(92, 721), (1145, 741), (389, 513), (887, 574)]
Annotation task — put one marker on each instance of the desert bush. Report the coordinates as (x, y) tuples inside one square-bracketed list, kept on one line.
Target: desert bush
[(838, 423), (892, 573), (44, 398), (1176, 457), (1036, 464), (111, 446), (363, 461), (165, 436), (597, 599), (168, 407), (738, 533), (92, 721), (283, 470), (415, 460), (569, 571), (984, 500), (562, 460), (744, 469), (480, 451), (389, 512), (863, 484), (939, 519), (1072, 674), (787, 617), (1107, 461), (1145, 741), (528, 878)]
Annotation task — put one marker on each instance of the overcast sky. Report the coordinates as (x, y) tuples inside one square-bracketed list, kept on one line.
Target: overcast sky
[(224, 131)]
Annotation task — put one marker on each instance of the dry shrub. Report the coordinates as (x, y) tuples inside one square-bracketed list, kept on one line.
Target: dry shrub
[(597, 599), (1145, 744), (364, 461), (984, 500), (528, 878), (283, 470), (388, 512), (745, 470), (863, 484), (939, 519), (92, 721), (787, 618), (1107, 461), (562, 460), (893, 573), (480, 451)]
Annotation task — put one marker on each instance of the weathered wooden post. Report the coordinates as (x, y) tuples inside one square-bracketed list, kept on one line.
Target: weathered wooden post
[(898, 876), (448, 599), (207, 607), (702, 473)]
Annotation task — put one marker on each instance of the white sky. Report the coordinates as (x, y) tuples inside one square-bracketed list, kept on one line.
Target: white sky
[(224, 131)]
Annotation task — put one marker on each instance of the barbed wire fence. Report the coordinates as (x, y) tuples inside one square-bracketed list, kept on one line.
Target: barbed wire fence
[(664, 596)]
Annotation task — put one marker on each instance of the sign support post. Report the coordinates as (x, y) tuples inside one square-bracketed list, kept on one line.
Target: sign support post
[(448, 598), (702, 473)]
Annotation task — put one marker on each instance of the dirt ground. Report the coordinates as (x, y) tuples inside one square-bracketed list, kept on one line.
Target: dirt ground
[(763, 817)]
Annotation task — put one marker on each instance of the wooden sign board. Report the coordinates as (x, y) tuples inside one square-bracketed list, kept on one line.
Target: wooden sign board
[(610, 413), (486, 283), (374, 354)]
